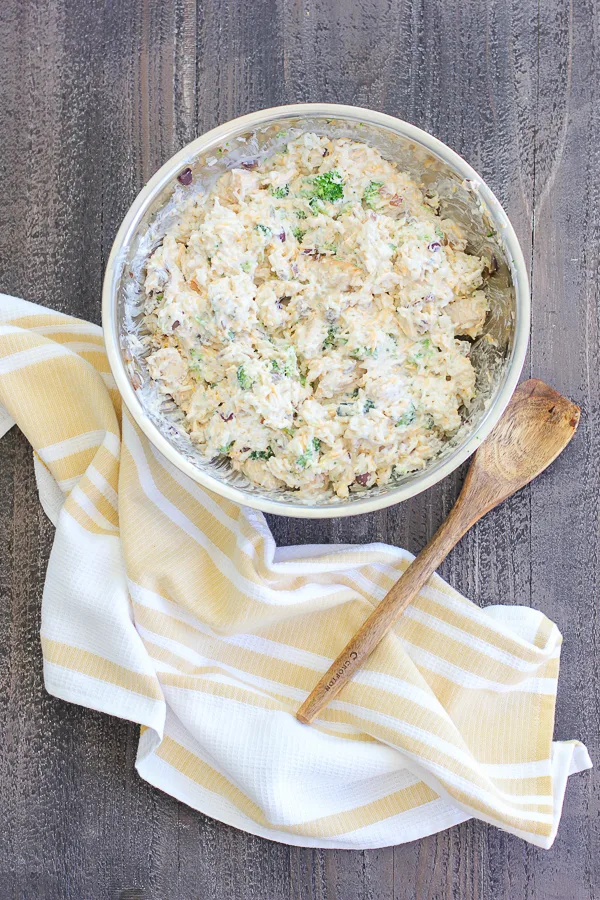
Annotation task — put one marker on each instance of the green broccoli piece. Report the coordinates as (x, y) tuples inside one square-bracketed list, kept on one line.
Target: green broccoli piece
[(280, 192), (330, 340), (244, 380), (329, 186), (425, 350), (368, 405), (371, 194), (307, 458), (304, 460), (363, 352), (264, 229), (195, 361), (300, 214), (226, 448), (408, 417), (262, 454), (291, 364), (298, 234)]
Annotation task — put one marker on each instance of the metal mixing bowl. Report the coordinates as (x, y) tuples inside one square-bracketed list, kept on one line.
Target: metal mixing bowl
[(497, 355)]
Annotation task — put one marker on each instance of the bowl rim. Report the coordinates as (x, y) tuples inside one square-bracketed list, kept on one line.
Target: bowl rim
[(422, 480)]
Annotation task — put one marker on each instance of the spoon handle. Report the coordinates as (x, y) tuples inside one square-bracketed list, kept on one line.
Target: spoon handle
[(385, 614), (536, 426)]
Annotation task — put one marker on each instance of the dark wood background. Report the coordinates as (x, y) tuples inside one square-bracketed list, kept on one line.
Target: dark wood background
[(94, 96)]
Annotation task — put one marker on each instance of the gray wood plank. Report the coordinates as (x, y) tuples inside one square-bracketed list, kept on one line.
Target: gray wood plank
[(564, 505), (95, 97)]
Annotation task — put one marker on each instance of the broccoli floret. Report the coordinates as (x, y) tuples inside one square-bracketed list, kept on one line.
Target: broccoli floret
[(264, 229), (307, 457), (298, 234), (226, 448), (262, 454), (195, 361), (424, 352), (244, 380), (362, 352), (281, 192), (371, 193), (301, 214), (290, 366), (330, 340), (329, 186), (368, 405), (408, 417)]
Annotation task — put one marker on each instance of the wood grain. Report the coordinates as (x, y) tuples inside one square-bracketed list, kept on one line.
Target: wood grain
[(95, 96)]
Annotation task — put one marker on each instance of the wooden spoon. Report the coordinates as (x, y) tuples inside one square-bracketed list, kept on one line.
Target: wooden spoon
[(536, 426)]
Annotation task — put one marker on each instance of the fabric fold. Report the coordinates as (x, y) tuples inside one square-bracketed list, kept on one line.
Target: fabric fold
[(173, 608)]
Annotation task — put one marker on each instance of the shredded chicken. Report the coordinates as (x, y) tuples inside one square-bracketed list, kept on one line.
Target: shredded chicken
[(305, 316)]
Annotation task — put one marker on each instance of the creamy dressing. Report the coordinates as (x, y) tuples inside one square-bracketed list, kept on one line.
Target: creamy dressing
[(309, 316)]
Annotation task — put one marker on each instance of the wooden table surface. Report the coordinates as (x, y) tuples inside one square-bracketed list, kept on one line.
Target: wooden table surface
[(96, 94)]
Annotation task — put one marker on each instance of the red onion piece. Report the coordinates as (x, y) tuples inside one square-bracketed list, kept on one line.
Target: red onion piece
[(185, 177)]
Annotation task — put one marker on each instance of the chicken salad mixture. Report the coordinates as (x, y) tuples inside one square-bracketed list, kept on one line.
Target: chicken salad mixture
[(311, 315)]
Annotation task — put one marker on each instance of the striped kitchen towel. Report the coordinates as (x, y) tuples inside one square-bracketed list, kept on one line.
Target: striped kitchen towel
[(171, 607)]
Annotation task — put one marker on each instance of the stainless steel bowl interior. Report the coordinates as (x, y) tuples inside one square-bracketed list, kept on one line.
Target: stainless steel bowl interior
[(497, 355)]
